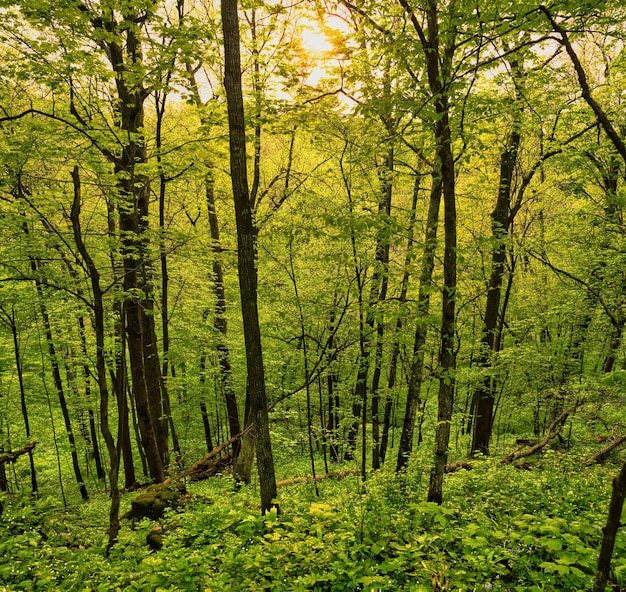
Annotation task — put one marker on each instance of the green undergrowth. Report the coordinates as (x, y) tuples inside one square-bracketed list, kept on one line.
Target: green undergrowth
[(500, 528)]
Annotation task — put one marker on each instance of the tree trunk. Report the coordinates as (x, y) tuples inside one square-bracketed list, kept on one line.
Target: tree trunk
[(219, 320), (395, 350), (382, 260), (246, 254), (220, 323), (421, 330), (101, 373), (331, 385), (58, 383), (613, 522), (483, 398), (24, 407)]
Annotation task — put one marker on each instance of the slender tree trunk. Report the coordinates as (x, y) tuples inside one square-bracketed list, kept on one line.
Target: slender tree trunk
[(382, 259), (220, 323), (613, 522), (160, 99), (331, 385), (402, 298), (90, 412), (439, 65), (246, 255), (421, 330), (119, 370), (58, 383), (484, 396), (101, 372), (24, 407)]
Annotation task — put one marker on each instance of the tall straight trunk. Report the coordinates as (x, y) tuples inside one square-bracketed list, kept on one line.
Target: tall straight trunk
[(439, 67), (20, 378), (484, 396), (58, 383), (90, 412), (220, 323), (305, 360), (446, 355), (367, 323), (119, 370), (331, 385), (402, 298), (421, 328), (160, 99), (203, 409), (101, 372), (246, 254), (382, 258)]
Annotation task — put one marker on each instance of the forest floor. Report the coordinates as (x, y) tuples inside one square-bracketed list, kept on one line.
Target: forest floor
[(500, 528)]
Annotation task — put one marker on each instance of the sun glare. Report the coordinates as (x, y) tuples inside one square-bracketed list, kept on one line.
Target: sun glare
[(314, 41)]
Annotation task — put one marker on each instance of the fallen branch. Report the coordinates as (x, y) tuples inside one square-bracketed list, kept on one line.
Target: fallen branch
[(602, 454), (12, 455), (337, 475), (208, 457), (455, 466), (553, 430), (210, 469)]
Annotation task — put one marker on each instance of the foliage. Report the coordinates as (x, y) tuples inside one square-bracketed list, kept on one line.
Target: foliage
[(501, 528)]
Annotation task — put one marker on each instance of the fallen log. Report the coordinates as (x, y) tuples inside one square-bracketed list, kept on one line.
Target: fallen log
[(12, 455), (553, 430), (601, 455), (309, 479), (210, 469), (455, 466), (195, 466)]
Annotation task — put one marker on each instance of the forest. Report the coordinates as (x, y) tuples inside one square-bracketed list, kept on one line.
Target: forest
[(312, 295)]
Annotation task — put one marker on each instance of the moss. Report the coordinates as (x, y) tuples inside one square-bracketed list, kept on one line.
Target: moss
[(152, 503)]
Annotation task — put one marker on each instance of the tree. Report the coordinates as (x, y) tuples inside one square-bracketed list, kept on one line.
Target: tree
[(246, 254)]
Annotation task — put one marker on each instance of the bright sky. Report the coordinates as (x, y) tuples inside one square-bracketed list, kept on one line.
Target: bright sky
[(314, 41)]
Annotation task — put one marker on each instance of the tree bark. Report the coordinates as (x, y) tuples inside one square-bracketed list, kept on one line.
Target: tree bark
[(246, 254), (101, 372), (421, 326), (484, 398), (613, 522)]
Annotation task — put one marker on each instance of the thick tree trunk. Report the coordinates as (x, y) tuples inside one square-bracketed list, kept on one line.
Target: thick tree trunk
[(246, 254)]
